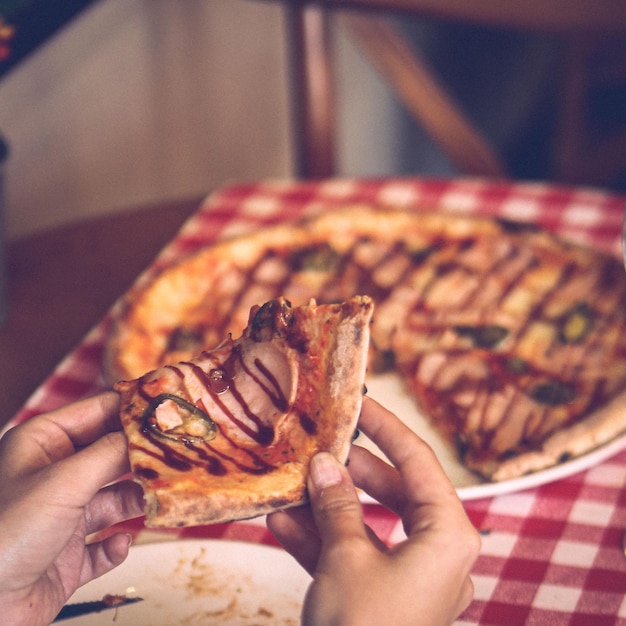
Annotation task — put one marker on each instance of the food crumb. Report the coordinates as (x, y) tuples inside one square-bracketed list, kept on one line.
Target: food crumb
[(264, 612)]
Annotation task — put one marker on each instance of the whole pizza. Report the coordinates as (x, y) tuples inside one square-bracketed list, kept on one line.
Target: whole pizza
[(511, 340)]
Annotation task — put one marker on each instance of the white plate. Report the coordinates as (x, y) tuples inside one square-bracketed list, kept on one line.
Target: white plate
[(388, 389), (198, 582)]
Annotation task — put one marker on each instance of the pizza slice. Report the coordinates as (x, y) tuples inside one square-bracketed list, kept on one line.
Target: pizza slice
[(229, 434)]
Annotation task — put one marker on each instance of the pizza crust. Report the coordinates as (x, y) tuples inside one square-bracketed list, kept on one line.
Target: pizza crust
[(182, 503)]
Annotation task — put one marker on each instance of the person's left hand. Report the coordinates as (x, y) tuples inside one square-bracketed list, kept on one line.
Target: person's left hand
[(57, 486)]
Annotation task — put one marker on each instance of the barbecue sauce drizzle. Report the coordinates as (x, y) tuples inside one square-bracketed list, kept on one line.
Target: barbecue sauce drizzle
[(218, 381), (552, 392)]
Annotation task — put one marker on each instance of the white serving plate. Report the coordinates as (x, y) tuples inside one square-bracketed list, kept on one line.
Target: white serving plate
[(389, 390), (199, 582)]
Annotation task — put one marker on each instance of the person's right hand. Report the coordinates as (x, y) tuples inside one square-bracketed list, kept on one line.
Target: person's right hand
[(358, 580)]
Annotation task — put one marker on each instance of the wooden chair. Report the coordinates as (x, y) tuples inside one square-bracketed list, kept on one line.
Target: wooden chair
[(583, 26)]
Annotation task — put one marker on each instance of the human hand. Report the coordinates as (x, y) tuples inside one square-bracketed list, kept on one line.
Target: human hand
[(53, 472), (356, 578)]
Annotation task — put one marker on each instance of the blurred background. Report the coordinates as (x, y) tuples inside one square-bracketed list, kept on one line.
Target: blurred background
[(135, 101), (143, 100)]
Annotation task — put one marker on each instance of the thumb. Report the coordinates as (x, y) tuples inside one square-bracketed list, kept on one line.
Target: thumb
[(334, 500)]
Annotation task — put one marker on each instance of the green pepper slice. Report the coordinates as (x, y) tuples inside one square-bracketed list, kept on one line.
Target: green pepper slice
[(196, 427)]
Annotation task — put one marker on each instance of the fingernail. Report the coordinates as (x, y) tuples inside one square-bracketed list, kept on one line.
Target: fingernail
[(325, 470)]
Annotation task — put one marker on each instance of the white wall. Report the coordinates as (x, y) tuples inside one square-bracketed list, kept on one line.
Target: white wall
[(140, 100), (143, 100)]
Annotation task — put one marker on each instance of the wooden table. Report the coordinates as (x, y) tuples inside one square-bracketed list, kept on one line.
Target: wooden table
[(62, 281)]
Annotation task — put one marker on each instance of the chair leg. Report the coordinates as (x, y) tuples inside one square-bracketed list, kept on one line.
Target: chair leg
[(312, 84)]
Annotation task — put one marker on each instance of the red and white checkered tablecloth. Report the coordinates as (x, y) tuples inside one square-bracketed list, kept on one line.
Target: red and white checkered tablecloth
[(551, 555)]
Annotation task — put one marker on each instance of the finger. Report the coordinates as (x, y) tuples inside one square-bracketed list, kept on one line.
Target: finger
[(429, 493), (111, 505), (411, 455), (334, 501), (49, 437), (295, 530), (466, 595), (76, 480), (101, 557), (89, 419), (377, 478)]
